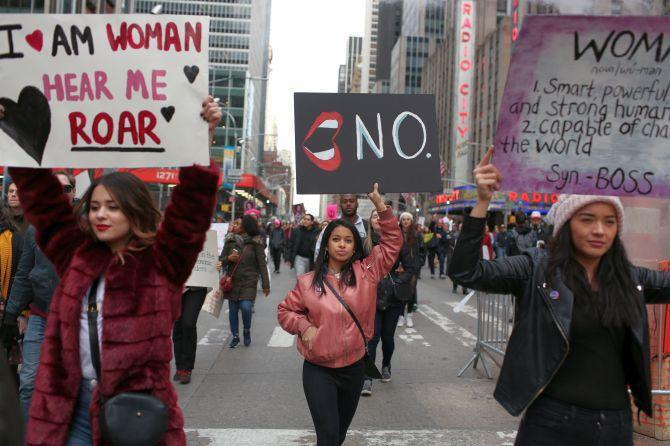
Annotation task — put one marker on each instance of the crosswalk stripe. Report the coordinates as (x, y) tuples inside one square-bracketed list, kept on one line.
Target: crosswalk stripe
[(281, 338), (467, 309), (461, 334), (294, 437)]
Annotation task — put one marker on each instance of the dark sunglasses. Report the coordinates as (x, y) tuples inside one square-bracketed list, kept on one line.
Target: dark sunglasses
[(67, 188)]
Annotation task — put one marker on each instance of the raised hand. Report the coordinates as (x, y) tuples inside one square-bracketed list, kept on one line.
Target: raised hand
[(211, 112), (487, 177), (376, 198)]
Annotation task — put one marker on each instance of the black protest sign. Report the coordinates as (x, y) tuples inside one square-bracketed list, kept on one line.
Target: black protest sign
[(346, 142)]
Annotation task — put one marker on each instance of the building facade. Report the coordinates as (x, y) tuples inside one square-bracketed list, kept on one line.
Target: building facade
[(238, 67), (370, 42), (353, 66), (388, 32)]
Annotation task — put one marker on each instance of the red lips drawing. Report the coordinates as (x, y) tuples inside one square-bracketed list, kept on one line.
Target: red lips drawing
[(325, 156)]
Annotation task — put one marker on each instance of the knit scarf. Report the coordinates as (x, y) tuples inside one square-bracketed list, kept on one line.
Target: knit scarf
[(5, 262)]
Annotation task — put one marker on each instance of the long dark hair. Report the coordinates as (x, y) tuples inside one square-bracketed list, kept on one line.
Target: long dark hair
[(321, 265), (133, 198), (613, 303), (250, 226)]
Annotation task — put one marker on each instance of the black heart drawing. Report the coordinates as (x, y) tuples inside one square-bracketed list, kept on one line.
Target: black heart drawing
[(167, 112), (28, 121), (191, 72)]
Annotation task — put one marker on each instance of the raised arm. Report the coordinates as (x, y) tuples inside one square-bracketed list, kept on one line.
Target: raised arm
[(506, 275), (187, 219), (48, 209), (656, 285), (383, 256)]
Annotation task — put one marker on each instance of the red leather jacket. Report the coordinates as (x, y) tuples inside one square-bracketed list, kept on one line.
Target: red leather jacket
[(338, 341)]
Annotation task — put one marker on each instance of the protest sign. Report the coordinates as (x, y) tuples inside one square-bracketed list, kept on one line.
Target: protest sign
[(586, 108), (204, 272), (346, 142), (103, 90), (221, 231)]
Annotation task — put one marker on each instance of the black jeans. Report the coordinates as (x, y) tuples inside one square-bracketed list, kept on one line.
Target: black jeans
[(332, 396), (549, 422), (276, 257), (431, 260), (385, 324), (185, 334)]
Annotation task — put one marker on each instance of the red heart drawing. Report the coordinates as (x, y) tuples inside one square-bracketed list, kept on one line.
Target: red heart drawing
[(35, 39)]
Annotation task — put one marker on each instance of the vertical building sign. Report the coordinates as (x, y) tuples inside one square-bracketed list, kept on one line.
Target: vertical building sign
[(465, 56)]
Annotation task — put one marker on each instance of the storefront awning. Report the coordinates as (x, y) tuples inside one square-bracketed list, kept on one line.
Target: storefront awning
[(250, 181)]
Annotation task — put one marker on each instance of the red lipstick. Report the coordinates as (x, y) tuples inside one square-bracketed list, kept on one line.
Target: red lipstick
[(102, 228), (330, 158)]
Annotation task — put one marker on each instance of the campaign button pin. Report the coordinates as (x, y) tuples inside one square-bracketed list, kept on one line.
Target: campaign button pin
[(554, 295)]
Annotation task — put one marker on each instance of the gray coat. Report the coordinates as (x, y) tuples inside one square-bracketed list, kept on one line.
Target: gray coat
[(252, 264)]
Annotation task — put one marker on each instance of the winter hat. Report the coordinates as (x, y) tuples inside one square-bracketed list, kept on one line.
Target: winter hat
[(535, 214), (406, 214), (568, 204)]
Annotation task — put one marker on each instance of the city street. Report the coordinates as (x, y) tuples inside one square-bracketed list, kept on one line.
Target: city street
[(253, 396)]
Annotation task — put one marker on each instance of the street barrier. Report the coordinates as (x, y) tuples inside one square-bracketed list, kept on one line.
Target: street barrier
[(495, 319)]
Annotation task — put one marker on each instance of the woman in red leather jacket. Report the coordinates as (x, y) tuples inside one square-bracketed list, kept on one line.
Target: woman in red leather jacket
[(330, 341), (114, 239)]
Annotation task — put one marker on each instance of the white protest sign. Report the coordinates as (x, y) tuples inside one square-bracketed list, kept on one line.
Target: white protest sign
[(221, 231), (103, 90), (204, 273), (586, 108)]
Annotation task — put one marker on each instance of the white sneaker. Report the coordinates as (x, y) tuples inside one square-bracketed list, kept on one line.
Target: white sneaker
[(401, 321), (409, 321)]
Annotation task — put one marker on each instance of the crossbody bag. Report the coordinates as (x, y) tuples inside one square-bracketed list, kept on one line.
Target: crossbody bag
[(371, 370), (129, 418)]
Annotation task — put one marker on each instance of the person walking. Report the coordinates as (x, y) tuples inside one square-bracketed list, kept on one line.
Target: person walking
[(442, 246), (501, 243), (33, 287), (454, 234), (185, 332), (406, 278), (277, 243), (303, 241), (333, 372), (244, 258), (11, 246), (121, 273), (583, 340), (394, 292)]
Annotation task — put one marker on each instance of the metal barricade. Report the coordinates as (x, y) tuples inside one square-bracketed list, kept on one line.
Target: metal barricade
[(657, 320), (495, 320)]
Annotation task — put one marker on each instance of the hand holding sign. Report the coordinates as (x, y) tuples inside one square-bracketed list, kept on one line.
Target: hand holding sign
[(487, 178), (211, 112), (376, 199)]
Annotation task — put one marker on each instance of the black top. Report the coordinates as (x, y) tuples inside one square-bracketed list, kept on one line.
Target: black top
[(592, 375)]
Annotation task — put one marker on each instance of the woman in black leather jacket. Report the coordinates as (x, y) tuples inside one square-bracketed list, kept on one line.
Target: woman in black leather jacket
[(393, 293), (581, 334)]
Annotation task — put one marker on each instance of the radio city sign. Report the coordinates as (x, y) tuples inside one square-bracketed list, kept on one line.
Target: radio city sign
[(536, 198)]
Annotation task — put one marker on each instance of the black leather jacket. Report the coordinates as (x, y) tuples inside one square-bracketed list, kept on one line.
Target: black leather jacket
[(540, 340)]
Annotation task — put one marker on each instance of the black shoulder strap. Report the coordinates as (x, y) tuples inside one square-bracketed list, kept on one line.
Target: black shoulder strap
[(351, 313), (93, 327)]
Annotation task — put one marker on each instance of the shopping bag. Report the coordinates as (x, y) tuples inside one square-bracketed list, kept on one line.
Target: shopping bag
[(213, 302)]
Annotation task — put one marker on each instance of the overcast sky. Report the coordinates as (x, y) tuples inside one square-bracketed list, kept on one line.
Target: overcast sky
[(308, 40)]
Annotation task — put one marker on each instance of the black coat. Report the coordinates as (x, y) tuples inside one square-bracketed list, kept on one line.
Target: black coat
[(540, 340), (35, 280), (398, 287)]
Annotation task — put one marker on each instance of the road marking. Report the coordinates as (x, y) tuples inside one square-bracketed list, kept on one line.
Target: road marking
[(411, 335), (467, 309), (295, 437), (281, 338), (461, 334), (215, 336)]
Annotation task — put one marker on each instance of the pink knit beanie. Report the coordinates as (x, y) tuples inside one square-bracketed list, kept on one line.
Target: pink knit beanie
[(567, 205)]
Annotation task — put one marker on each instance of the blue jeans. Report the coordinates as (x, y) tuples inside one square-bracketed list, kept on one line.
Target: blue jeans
[(500, 252), (80, 425), (32, 343), (235, 306)]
